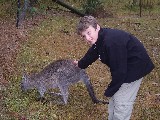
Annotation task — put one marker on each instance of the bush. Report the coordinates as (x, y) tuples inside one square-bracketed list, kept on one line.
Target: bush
[(90, 6)]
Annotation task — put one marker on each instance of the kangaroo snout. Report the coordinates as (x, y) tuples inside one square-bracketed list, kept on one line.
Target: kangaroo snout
[(22, 87), (24, 83)]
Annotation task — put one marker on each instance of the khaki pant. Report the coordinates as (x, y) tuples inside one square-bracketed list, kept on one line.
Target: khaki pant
[(121, 103)]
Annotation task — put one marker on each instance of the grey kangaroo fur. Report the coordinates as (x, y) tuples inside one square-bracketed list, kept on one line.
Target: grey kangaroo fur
[(58, 74)]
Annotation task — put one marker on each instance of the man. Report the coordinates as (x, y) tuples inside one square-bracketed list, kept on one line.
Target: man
[(127, 59)]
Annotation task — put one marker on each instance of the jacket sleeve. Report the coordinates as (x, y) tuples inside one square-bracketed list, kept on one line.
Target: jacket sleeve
[(118, 68), (90, 57)]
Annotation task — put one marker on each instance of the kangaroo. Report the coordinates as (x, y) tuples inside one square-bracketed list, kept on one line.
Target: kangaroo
[(58, 74)]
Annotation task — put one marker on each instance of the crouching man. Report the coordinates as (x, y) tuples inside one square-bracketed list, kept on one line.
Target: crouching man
[(127, 59)]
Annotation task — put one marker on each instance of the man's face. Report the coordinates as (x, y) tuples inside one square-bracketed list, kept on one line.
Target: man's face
[(91, 34)]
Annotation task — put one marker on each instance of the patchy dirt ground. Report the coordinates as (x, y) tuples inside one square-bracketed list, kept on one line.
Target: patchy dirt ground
[(11, 39)]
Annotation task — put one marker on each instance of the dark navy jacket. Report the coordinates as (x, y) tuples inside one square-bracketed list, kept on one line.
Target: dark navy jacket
[(123, 53)]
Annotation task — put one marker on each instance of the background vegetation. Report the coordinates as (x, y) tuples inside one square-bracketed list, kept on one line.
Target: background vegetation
[(48, 33)]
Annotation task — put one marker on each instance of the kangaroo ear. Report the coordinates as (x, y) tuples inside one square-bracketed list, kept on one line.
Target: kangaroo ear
[(24, 77)]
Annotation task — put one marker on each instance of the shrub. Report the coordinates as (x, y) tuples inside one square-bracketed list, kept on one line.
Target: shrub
[(90, 6)]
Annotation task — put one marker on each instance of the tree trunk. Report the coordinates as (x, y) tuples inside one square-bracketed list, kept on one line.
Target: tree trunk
[(140, 10), (68, 7)]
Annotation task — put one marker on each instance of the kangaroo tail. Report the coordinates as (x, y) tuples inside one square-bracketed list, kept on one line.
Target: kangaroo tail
[(91, 91)]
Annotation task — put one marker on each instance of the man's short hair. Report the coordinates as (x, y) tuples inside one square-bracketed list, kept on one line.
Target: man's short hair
[(85, 22)]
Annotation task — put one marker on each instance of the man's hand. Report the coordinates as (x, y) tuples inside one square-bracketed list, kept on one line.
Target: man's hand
[(75, 62)]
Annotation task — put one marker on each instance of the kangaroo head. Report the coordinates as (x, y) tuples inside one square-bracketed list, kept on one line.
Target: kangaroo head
[(25, 82)]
